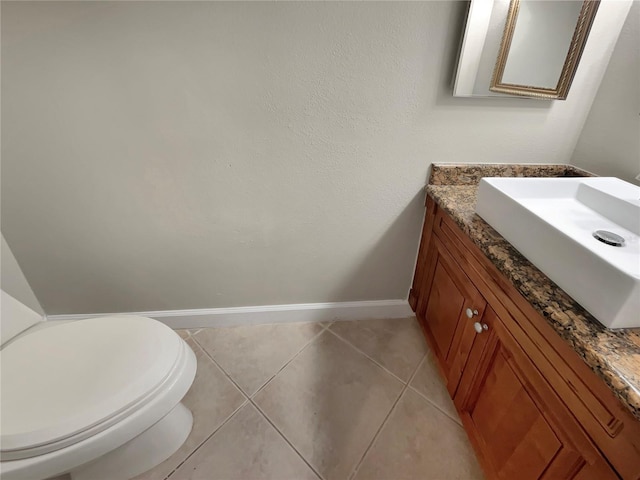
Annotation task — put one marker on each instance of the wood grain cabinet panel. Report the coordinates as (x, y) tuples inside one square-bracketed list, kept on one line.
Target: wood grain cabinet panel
[(526, 410), (601, 415), (514, 418), (444, 309), (418, 277)]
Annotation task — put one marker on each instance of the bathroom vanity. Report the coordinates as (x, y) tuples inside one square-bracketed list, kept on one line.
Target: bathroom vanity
[(542, 389)]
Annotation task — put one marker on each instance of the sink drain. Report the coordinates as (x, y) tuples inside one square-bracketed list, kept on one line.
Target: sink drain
[(609, 238)]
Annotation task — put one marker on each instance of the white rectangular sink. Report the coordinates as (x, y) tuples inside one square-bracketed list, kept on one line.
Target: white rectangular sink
[(552, 221)]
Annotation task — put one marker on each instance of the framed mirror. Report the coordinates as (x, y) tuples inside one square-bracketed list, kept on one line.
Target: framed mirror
[(541, 47)]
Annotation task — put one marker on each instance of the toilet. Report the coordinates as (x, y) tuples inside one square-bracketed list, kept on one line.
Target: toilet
[(97, 398)]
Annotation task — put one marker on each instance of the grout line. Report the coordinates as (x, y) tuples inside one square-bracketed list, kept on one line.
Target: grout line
[(249, 399), (427, 358), (372, 359), (295, 355), (384, 422), (186, 330), (440, 409), (246, 395), (224, 372), (246, 402), (285, 439)]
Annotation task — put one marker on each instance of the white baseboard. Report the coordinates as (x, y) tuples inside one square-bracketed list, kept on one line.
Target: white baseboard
[(302, 312)]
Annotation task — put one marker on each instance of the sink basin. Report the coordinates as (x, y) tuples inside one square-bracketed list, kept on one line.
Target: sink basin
[(552, 221)]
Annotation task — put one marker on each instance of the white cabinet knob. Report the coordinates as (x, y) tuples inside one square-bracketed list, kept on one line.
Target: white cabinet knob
[(480, 327), (471, 313)]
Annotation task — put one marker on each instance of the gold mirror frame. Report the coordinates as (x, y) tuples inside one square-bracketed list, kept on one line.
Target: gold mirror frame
[(578, 41)]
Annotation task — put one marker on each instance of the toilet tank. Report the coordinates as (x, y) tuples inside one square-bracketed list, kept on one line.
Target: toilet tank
[(15, 317)]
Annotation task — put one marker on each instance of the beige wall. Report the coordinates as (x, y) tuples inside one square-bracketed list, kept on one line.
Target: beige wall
[(610, 141), (12, 280), (171, 155)]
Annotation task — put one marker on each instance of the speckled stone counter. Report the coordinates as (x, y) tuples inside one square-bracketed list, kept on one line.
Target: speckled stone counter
[(612, 355)]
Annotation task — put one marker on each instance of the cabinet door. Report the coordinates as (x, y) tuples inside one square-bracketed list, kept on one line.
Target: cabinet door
[(515, 420), (448, 303)]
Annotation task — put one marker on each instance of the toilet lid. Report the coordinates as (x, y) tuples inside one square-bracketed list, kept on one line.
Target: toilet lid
[(60, 381)]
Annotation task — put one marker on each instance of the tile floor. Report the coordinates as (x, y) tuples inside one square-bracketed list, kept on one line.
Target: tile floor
[(348, 400)]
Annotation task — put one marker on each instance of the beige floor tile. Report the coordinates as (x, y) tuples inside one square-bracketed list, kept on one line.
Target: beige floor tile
[(252, 355), (419, 442), (429, 382), (183, 332), (329, 402), (211, 399), (397, 344), (247, 447)]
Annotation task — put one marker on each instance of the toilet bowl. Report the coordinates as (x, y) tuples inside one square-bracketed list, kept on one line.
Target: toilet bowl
[(96, 398)]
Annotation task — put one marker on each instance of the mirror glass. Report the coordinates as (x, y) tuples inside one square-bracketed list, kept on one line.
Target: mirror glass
[(527, 48), (540, 42), (541, 47)]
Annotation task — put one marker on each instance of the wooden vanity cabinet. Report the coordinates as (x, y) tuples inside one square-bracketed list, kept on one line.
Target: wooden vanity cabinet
[(451, 304), (515, 420), (531, 407)]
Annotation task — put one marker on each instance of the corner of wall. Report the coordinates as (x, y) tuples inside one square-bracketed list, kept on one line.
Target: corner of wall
[(612, 18), (13, 281)]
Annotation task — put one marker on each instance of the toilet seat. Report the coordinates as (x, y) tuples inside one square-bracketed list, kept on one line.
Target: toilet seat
[(91, 374)]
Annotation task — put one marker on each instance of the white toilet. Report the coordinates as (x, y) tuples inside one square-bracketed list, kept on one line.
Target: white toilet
[(96, 398)]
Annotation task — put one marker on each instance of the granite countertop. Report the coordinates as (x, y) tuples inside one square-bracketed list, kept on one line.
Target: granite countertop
[(614, 355)]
